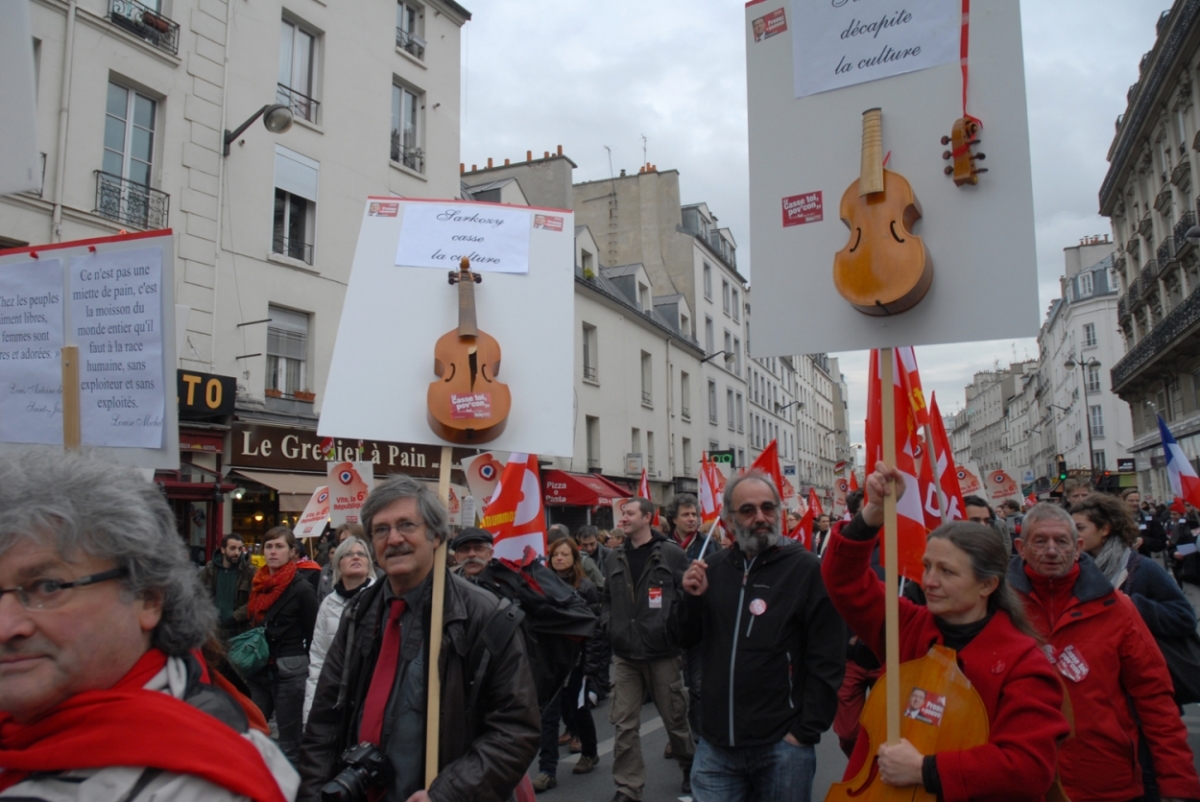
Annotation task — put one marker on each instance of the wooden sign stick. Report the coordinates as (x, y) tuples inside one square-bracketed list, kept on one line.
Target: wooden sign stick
[(891, 592), (70, 398), (433, 704)]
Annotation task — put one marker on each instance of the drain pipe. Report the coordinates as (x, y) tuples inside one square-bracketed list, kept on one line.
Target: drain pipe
[(212, 343), (60, 157)]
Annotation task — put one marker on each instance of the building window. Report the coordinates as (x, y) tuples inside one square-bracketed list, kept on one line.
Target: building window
[(741, 415), (725, 295), (296, 179), (650, 452), (737, 354), (1093, 379), (1085, 285), (297, 53), (592, 424), (729, 408), (687, 456), (1089, 334), (708, 281), (406, 128), (709, 338), (123, 187), (287, 350), (685, 325), (741, 457), (1096, 414), (635, 441), (645, 300), (647, 380), (685, 395), (729, 355), (1098, 461), (736, 306), (410, 25), (712, 402), (590, 354)]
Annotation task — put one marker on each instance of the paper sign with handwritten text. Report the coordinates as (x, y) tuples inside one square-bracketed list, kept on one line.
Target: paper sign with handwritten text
[(494, 238), (840, 43), (31, 340)]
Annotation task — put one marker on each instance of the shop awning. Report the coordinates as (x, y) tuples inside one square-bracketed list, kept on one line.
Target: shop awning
[(294, 489), (580, 489)]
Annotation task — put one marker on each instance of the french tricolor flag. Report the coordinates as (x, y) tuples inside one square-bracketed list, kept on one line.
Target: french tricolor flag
[(1184, 482)]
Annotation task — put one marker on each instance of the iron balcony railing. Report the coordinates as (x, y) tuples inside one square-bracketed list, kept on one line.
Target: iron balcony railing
[(303, 106), (647, 399), (1122, 308), (410, 43), (409, 155), (1166, 252), (1181, 319), (686, 413), (589, 372), (132, 204), (145, 23), (1186, 221), (1149, 273), (292, 248)]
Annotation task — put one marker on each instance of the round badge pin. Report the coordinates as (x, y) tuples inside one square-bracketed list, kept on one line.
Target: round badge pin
[(758, 607)]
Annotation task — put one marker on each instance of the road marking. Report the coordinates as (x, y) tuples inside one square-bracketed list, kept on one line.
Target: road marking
[(606, 746)]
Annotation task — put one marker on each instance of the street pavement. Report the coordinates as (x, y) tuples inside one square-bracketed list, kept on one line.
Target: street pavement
[(663, 776)]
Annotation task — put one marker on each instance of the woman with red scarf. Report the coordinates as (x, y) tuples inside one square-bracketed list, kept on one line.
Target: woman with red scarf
[(286, 604)]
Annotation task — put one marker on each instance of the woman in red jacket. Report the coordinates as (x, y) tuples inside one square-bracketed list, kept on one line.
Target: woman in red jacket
[(972, 610)]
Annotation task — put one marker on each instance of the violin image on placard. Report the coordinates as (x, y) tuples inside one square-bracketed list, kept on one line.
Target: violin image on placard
[(467, 404), (942, 713), (884, 269), (962, 139)]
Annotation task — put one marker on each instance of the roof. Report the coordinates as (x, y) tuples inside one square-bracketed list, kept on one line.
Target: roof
[(602, 285), (621, 270)]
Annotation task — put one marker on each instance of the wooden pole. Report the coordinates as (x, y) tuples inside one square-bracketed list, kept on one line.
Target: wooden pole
[(70, 397), (433, 704), (891, 562)]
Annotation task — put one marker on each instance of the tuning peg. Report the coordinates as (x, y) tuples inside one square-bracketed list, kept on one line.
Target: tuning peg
[(945, 140), (980, 170), (477, 278), (453, 276), (980, 155), (946, 154), (948, 171)]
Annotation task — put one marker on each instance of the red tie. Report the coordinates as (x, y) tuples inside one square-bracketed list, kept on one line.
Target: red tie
[(371, 728)]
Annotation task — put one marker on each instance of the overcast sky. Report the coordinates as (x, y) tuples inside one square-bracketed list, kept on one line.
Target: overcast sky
[(586, 75)]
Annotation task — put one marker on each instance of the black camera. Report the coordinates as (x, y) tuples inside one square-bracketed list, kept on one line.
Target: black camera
[(366, 767)]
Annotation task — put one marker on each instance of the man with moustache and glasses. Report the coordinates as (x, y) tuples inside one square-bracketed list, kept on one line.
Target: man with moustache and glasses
[(473, 550), (374, 683), (773, 651)]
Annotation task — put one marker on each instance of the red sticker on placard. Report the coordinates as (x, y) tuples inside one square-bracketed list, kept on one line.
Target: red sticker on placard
[(465, 406), (655, 598), (806, 208), (548, 222)]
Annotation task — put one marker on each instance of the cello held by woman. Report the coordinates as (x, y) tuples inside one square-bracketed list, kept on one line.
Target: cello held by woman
[(972, 610)]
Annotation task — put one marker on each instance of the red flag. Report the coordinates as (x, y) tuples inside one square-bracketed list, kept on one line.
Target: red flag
[(910, 516), (644, 492), (711, 486), (853, 481), (804, 529), (908, 359), (768, 463), (947, 470), (515, 515)]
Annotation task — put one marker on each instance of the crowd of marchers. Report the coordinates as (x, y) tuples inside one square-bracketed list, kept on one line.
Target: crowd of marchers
[(126, 675)]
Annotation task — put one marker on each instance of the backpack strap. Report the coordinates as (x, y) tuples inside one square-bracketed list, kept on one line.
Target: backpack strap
[(497, 631)]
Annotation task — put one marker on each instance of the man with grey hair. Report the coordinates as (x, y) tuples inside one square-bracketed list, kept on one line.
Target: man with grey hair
[(641, 588), (103, 694), (372, 688), (766, 701)]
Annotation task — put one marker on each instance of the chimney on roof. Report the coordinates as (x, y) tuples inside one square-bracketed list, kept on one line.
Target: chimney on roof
[(622, 172), (506, 162), (529, 155), (473, 168), (560, 150), (462, 168), (546, 155), (489, 162)]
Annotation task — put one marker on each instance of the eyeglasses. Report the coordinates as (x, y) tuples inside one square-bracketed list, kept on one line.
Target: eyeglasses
[(361, 554), (405, 528), (768, 508), (47, 594)]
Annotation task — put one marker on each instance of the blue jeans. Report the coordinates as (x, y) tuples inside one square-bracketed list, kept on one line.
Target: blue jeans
[(776, 772)]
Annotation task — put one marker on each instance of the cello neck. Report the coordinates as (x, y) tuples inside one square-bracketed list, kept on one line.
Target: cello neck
[(870, 178), (466, 304)]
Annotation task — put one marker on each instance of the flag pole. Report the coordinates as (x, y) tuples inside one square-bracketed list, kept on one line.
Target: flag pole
[(887, 392), (711, 529), (433, 703)]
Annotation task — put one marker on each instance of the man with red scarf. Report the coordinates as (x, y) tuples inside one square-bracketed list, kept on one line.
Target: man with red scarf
[(104, 693)]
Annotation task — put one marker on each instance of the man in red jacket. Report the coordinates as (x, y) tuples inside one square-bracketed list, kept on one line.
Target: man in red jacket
[(1110, 665)]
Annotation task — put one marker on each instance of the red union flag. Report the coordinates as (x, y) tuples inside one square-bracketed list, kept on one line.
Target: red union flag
[(946, 469), (515, 516), (768, 463), (712, 485), (644, 492), (908, 358)]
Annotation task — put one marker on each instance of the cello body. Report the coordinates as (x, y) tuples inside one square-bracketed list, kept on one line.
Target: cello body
[(942, 713)]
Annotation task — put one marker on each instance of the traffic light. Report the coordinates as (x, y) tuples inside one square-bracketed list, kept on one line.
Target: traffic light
[(1062, 467)]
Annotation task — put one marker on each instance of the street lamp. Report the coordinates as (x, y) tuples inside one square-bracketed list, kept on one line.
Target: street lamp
[(728, 356), (1071, 364), (277, 118)]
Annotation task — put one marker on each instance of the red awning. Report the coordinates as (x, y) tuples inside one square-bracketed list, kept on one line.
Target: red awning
[(580, 489)]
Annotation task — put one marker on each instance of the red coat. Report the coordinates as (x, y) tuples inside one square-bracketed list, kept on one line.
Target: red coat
[(1113, 661), (1017, 684)]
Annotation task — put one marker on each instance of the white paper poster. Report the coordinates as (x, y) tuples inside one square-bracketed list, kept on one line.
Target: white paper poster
[(349, 485), (838, 43), (31, 340), (316, 514), (495, 238), (116, 320)]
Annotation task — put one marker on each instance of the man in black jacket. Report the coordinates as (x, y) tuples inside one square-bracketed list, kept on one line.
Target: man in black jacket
[(774, 653), (228, 578), (374, 681), (641, 587)]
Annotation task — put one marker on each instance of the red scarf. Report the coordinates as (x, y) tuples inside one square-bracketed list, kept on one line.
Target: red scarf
[(267, 589), (127, 725), (685, 542)]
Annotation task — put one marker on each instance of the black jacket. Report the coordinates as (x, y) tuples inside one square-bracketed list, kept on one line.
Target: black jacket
[(292, 618), (771, 632), (636, 630), (245, 569), (482, 752)]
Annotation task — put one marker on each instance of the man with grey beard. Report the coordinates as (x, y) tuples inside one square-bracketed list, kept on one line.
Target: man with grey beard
[(473, 551), (773, 652)]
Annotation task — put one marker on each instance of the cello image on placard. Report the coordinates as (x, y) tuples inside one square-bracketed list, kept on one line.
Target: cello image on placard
[(884, 269), (467, 404)]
